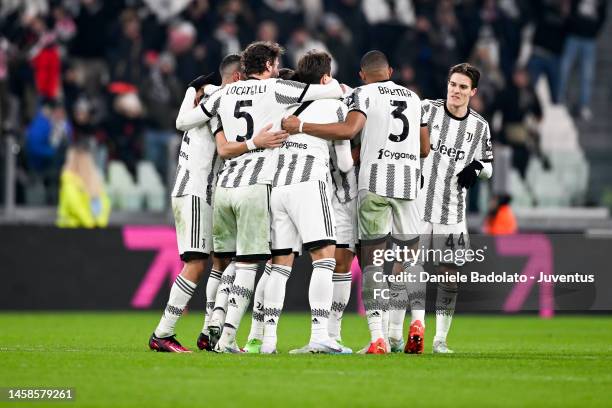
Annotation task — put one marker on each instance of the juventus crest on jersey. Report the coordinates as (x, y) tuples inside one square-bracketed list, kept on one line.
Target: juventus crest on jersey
[(390, 139), (243, 108), (455, 142)]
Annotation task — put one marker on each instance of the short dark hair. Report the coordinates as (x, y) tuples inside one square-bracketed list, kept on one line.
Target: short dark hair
[(466, 69), (255, 56), (227, 62), (286, 73), (374, 60), (313, 65)]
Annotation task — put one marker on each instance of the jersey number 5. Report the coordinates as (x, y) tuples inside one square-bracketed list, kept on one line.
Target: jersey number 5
[(400, 106), (246, 116)]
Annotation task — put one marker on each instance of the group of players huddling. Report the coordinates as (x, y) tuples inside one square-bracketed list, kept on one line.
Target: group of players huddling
[(272, 162)]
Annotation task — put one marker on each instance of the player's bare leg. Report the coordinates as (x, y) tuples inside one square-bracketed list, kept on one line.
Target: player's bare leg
[(163, 338), (342, 279), (216, 273), (446, 299)]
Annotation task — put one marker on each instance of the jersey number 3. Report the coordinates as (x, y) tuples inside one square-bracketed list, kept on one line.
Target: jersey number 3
[(238, 114), (397, 113)]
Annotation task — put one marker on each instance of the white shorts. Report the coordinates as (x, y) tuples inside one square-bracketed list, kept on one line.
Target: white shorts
[(453, 237), (241, 222), (302, 212), (346, 223), (380, 216), (193, 222)]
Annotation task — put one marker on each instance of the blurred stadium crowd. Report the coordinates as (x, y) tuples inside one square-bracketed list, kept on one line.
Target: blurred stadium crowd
[(112, 73)]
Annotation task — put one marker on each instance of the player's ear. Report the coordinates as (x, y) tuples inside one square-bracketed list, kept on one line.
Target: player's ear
[(362, 76), (390, 72), (473, 92)]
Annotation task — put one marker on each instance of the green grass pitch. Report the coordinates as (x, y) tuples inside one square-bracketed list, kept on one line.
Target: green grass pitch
[(500, 361)]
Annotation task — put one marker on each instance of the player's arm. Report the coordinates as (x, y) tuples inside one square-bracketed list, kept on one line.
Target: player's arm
[(425, 143), (264, 139), (355, 121), (343, 153), (486, 155), (189, 116), (292, 92), (424, 132), (478, 168)]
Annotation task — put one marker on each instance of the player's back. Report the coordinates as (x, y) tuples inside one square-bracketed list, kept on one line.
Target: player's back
[(390, 139), (304, 157)]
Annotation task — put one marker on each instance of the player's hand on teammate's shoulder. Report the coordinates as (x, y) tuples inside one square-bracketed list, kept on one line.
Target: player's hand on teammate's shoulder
[(291, 124), (200, 81), (267, 139)]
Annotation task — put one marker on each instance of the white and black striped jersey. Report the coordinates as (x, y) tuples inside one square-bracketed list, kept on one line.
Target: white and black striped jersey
[(345, 184), (243, 108), (198, 162), (390, 139), (455, 142), (304, 157)]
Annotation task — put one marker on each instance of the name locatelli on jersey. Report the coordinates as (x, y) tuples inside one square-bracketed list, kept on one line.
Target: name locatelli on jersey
[(395, 155), (451, 152), (242, 90)]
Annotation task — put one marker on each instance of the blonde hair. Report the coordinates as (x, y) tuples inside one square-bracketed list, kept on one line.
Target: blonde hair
[(80, 162)]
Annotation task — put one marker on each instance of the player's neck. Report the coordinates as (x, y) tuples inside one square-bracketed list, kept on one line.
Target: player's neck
[(376, 78), (457, 111), (264, 75)]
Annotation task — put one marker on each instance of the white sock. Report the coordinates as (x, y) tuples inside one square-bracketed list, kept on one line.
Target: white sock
[(211, 293), (416, 293), (274, 297), (220, 309), (257, 319), (180, 293), (320, 294), (397, 310), (446, 299), (238, 300), (341, 296), (372, 301)]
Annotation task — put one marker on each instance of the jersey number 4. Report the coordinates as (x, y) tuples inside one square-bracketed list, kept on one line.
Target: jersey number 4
[(397, 113), (238, 114)]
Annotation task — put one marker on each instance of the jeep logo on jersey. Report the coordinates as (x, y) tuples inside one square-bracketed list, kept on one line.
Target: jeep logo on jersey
[(395, 155), (449, 151)]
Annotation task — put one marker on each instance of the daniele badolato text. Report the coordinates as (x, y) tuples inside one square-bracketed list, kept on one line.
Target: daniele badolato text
[(480, 277)]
